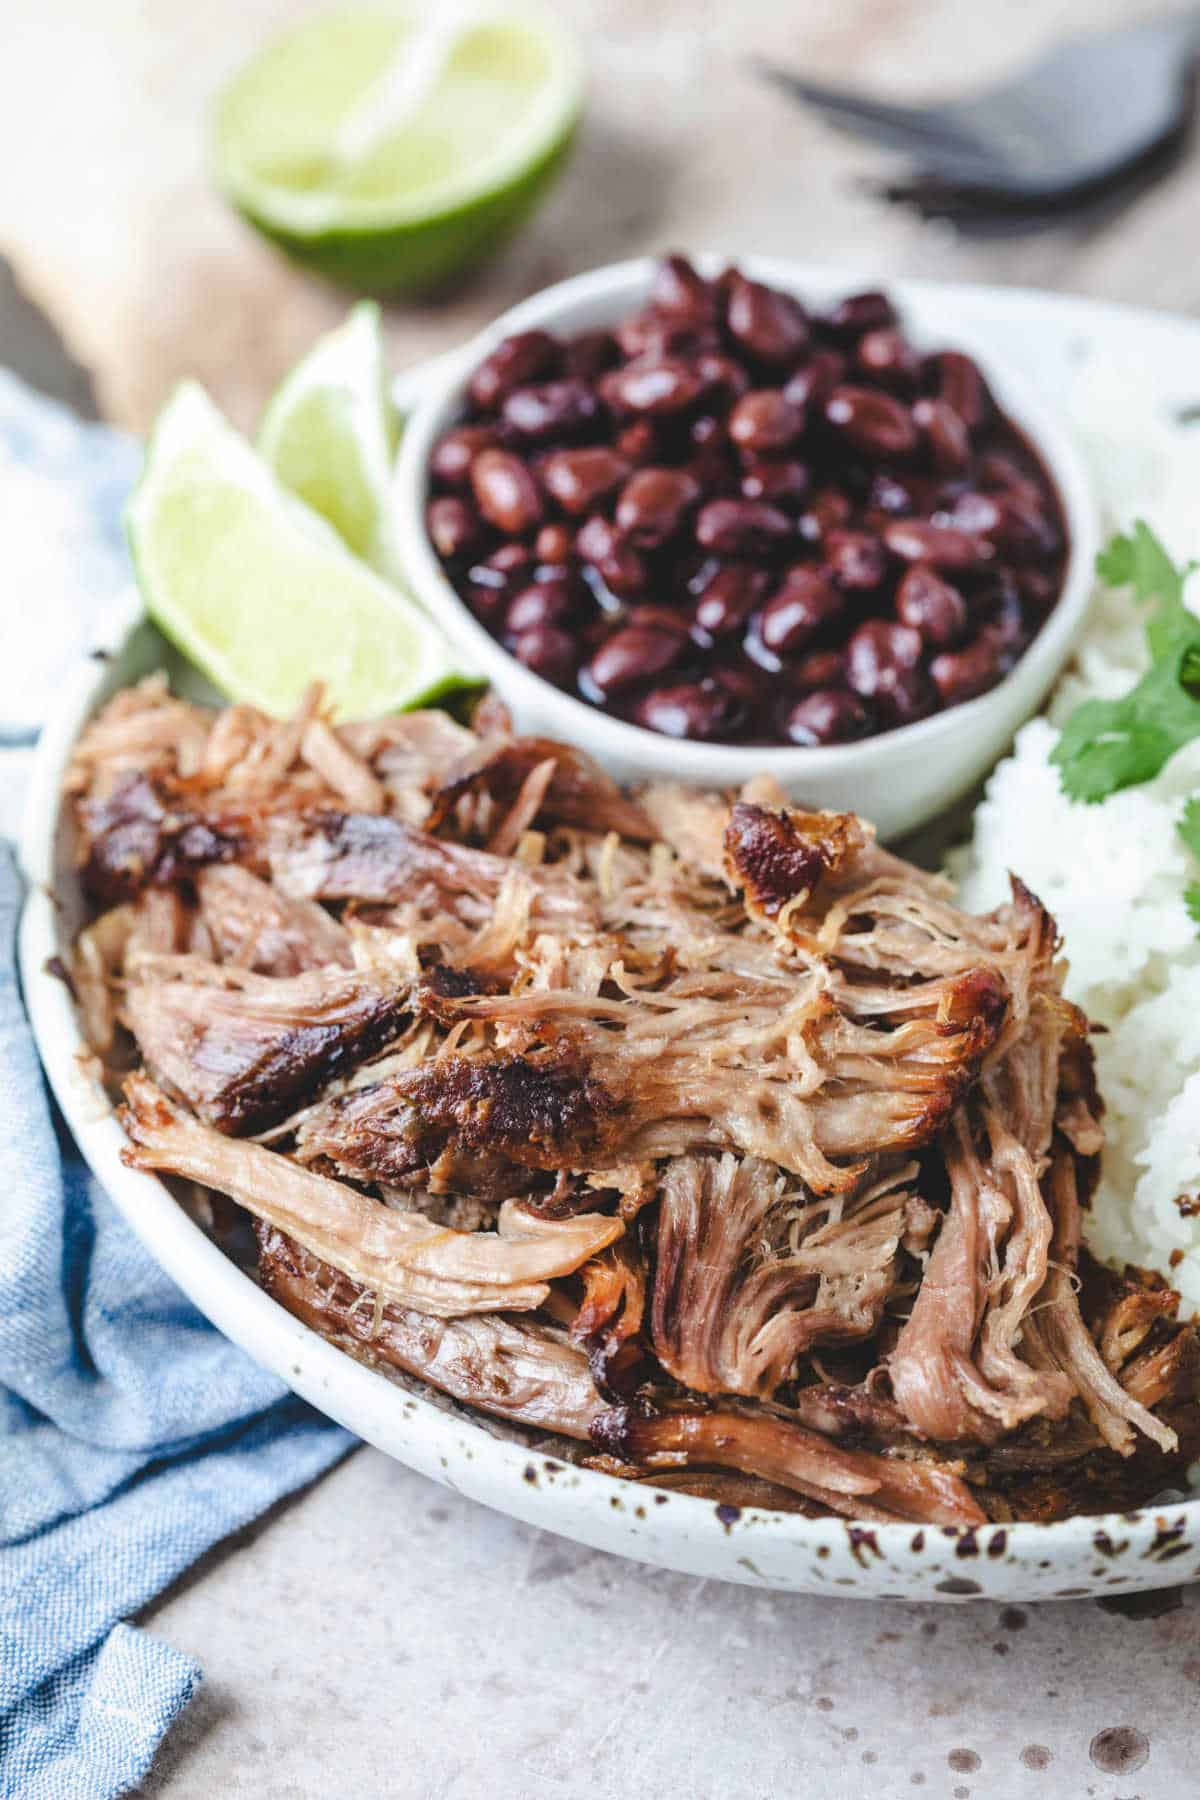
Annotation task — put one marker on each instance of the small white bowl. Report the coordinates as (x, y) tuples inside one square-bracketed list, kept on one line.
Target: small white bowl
[(900, 779)]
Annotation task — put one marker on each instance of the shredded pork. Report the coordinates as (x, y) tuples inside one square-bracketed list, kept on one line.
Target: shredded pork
[(693, 1128)]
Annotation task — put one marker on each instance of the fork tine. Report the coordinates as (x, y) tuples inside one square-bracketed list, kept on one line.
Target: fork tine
[(904, 128)]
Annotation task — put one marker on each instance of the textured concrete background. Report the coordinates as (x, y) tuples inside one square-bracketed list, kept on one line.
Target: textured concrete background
[(380, 1637)]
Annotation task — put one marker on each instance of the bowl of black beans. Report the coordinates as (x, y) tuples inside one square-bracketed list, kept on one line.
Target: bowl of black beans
[(712, 521)]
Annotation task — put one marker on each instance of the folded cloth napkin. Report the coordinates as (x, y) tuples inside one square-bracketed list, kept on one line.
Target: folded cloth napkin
[(133, 1435)]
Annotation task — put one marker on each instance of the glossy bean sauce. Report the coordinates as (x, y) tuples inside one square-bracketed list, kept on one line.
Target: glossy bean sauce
[(734, 519)]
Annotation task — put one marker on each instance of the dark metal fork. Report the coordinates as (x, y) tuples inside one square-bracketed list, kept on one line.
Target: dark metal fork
[(1073, 121)]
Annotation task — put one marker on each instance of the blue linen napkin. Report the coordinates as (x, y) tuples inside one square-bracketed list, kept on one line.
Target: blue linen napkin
[(132, 1435)]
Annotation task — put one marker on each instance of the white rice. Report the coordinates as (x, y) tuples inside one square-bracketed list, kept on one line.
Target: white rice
[(1114, 875)]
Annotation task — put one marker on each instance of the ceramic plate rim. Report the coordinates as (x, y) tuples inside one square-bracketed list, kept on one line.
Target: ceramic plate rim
[(1023, 1561)]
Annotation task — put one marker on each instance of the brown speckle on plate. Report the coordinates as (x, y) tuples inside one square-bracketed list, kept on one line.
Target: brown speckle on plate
[(861, 1541)]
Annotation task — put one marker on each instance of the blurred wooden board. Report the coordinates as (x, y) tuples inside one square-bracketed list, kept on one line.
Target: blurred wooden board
[(109, 218)]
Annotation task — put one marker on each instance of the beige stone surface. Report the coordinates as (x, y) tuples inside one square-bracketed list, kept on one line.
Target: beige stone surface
[(383, 1639), (108, 213)]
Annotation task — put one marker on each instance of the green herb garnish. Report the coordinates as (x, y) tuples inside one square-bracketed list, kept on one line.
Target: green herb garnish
[(1111, 744), (1189, 830)]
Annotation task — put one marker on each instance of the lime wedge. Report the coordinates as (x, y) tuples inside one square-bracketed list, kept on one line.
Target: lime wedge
[(393, 146), (259, 591), (330, 433)]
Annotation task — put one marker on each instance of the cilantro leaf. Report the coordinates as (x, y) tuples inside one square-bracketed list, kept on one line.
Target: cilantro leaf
[(1189, 826), (1139, 560), (1111, 744)]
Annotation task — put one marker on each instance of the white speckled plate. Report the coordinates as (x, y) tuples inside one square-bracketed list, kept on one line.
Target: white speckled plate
[(1128, 379)]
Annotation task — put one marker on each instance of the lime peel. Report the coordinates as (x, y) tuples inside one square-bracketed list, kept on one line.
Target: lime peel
[(330, 433), (259, 592), (394, 146)]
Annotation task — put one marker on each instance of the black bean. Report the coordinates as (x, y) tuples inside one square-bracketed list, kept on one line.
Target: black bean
[(828, 716), (960, 384), (618, 564), (580, 479), (660, 385), (781, 481), (945, 546), (960, 675), (555, 409), (543, 603), (693, 709), (590, 354), (877, 653), (772, 326), (931, 606), (505, 492), (763, 422), (525, 357), (859, 313), (680, 290), (728, 597), (976, 513), (638, 443), (723, 378), (874, 422), (802, 605), (509, 559), (547, 650), (454, 453), (811, 384), (1038, 588), (945, 433), (453, 525), (742, 527), (654, 504), (887, 356), (857, 560), (653, 332), (633, 653), (1024, 531), (828, 510), (819, 669), (553, 545), (655, 617)]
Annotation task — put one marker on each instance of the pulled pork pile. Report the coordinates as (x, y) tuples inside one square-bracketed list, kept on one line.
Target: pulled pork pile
[(704, 1132)]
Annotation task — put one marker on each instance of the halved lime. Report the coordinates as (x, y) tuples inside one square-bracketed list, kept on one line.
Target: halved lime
[(330, 433), (393, 146), (258, 591)]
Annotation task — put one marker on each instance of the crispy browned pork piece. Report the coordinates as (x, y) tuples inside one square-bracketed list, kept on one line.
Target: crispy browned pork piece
[(693, 1128)]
